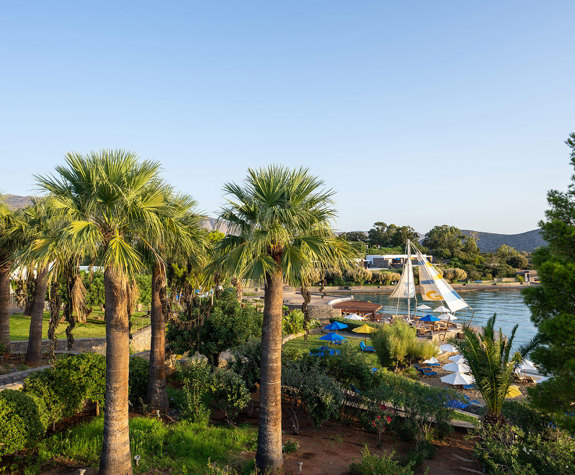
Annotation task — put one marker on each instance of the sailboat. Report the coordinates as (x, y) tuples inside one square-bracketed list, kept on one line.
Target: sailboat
[(432, 286)]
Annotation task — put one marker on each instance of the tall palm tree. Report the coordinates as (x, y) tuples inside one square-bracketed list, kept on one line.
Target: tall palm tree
[(489, 357), (183, 238), (9, 245), (279, 222), (110, 200)]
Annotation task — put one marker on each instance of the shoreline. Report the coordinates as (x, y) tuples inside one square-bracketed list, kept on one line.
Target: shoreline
[(388, 289)]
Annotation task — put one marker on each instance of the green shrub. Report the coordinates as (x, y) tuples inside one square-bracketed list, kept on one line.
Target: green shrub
[(138, 384), (3, 349), (379, 465), (290, 446), (292, 323), (320, 394), (509, 449), (424, 407), (349, 367), (20, 421), (229, 393), (520, 414), (397, 345), (246, 362), (196, 377)]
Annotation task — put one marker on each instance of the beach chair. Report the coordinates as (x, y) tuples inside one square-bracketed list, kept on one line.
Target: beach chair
[(368, 349), (374, 370), (473, 402), (469, 386), (425, 371), (452, 403)]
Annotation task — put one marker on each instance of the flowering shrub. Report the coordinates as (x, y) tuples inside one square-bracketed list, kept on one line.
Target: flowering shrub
[(382, 420)]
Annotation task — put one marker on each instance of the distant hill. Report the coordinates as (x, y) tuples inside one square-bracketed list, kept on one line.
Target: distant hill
[(15, 202), (490, 242)]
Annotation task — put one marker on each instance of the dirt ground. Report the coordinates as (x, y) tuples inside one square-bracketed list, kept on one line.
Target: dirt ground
[(333, 448)]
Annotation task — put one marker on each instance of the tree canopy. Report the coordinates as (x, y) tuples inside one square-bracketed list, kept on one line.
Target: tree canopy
[(552, 304), (391, 235)]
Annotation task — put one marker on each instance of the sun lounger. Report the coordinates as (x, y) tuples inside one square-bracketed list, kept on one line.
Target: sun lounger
[(469, 386), (425, 371), (363, 347), (452, 403), (374, 370), (473, 402)]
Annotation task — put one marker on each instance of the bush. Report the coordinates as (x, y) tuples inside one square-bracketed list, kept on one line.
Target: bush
[(196, 377), (508, 449), (20, 421), (320, 394), (229, 393), (397, 345), (246, 362), (349, 367), (3, 349), (520, 414), (292, 323), (138, 383), (379, 465), (290, 446), (424, 407)]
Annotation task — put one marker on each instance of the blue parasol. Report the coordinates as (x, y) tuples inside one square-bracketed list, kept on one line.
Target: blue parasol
[(429, 318), (332, 337), (335, 326)]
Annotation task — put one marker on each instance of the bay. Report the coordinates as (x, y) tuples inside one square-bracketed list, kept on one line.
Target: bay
[(507, 304)]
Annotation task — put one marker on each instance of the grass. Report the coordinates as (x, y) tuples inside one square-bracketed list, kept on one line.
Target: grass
[(94, 328), (181, 447), (301, 346)]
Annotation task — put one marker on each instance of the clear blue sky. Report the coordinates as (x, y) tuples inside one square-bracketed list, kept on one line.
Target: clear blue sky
[(417, 113)]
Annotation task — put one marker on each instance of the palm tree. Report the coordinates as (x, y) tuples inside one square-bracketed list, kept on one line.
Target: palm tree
[(182, 237), (492, 364), (110, 200), (279, 223), (9, 245)]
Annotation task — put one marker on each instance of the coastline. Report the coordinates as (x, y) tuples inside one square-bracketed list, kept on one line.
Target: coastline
[(388, 289)]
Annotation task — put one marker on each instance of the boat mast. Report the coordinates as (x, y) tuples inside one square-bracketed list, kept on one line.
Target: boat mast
[(408, 277)]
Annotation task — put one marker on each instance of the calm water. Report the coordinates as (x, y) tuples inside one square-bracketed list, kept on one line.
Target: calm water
[(508, 304)]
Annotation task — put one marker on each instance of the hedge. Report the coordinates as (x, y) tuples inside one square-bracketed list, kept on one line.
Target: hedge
[(53, 394)]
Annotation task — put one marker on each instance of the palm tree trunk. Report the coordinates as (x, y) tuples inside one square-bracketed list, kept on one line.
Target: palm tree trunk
[(115, 457), (157, 393), (5, 306), (305, 293), (34, 350), (269, 452)]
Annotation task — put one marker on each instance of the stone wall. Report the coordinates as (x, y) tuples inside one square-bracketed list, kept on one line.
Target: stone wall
[(140, 342), (323, 311)]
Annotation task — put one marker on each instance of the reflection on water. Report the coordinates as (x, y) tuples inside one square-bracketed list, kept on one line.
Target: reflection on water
[(508, 304)]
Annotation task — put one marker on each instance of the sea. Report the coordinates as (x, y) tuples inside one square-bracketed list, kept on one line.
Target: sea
[(507, 304)]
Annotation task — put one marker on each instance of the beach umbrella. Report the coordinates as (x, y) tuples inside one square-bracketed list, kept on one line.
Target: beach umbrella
[(447, 316), (433, 360), (441, 309), (448, 348), (335, 326), (423, 307), (512, 392), (456, 368), (429, 318), (353, 316), (458, 359), (457, 379), (364, 329), (331, 337), (538, 378)]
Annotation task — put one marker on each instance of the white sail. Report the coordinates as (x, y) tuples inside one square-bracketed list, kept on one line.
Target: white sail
[(434, 287), (405, 288)]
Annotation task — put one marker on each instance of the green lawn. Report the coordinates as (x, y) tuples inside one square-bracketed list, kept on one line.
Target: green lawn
[(301, 346), (94, 328), (179, 448)]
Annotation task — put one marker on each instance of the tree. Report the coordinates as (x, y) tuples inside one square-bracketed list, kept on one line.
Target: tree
[(492, 364), (110, 199), (552, 304), (518, 261), (354, 236), (181, 235), (9, 244), (280, 220), (390, 235), (445, 240)]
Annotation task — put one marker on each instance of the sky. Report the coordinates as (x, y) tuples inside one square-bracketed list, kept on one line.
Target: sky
[(414, 113)]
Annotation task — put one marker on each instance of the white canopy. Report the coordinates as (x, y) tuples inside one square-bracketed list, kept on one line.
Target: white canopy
[(447, 316), (448, 348), (441, 309), (423, 307), (433, 360), (458, 359), (457, 379), (456, 368), (539, 379), (527, 365), (353, 316)]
